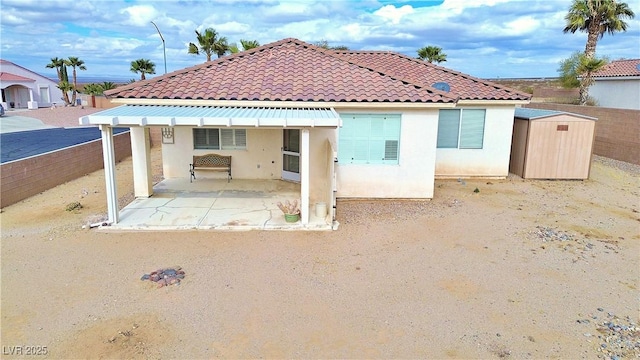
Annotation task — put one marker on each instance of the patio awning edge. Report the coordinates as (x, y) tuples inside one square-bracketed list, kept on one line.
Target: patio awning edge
[(179, 115)]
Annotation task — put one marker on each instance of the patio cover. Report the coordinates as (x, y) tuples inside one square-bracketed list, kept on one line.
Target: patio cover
[(137, 117), (187, 115)]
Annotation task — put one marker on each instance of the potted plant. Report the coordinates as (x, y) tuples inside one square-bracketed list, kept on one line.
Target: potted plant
[(291, 210)]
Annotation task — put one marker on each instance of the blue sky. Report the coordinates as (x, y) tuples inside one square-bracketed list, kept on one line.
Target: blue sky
[(484, 38)]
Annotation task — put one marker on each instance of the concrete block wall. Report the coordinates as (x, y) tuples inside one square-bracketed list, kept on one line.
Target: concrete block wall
[(21, 179), (617, 130)]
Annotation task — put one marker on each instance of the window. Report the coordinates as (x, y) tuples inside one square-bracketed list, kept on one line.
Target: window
[(231, 139), (369, 139), (461, 129), (44, 94)]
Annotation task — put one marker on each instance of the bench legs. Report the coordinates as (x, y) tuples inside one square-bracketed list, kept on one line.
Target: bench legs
[(192, 172)]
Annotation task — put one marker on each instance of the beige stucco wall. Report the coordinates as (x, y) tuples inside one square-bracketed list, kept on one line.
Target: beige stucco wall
[(261, 160), (412, 178), (490, 161)]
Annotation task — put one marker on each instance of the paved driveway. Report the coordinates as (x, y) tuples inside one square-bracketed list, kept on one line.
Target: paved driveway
[(14, 123)]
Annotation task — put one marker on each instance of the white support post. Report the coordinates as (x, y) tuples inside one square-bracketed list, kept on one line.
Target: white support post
[(304, 176), (31, 105), (141, 160), (108, 154)]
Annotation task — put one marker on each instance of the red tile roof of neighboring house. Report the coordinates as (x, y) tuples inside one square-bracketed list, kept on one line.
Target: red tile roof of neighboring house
[(292, 70), (5, 76), (618, 68), (426, 74)]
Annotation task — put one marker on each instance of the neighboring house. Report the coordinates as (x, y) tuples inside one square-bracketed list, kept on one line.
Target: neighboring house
[(617, 85), (24, 89), (354, 124)]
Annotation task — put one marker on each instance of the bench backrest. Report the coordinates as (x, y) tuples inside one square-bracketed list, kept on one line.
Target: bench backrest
[(211, 160)]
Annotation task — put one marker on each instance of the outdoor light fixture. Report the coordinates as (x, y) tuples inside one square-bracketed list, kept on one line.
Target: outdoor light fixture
[(164, 50)]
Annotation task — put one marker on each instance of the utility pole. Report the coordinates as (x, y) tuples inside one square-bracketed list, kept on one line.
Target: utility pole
[(164, 50)]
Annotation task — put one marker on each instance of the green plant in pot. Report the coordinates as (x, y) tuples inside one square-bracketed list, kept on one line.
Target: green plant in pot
[(291, 210)]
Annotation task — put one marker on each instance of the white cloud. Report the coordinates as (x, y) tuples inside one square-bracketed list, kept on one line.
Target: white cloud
[(521, 26), (287, 9), (140, 15), (232, 27), (460, 5), (393, 14), (355, 31)]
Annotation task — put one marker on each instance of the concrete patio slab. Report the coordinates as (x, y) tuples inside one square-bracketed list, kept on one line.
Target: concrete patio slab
[(210, 204)]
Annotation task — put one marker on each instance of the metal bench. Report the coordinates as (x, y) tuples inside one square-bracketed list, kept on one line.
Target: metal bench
[(213, 162)]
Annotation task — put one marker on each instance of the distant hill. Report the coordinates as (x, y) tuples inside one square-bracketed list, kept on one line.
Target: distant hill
[(542, 89), (96, 79)]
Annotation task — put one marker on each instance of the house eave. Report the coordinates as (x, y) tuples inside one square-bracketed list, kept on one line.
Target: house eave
[(610, 78), (288, 104), (493, 102)]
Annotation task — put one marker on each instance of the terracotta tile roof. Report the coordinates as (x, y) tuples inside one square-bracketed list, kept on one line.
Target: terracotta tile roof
[(426, 74), (292, 70), (5, 76), (618, 68)]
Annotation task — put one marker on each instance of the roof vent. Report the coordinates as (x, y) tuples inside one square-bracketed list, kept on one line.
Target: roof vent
[(442, 86)]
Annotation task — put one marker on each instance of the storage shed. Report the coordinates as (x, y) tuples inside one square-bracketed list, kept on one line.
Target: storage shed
[(549, 144)]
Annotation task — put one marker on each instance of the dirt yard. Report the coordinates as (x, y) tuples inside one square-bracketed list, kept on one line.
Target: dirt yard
[(517, 269)]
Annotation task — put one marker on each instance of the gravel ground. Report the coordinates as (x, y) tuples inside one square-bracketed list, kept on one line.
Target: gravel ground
[(521, 269), (621, 165)]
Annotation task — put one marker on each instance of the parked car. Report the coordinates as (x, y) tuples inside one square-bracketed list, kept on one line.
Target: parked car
[(1, 110)]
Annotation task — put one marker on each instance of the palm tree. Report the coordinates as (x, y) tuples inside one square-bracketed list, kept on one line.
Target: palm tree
[(92, 89), (568, 70), (586, 68), (246, 45), (75, 63), (596, 17), (577, 71), (249, 44), (143, 66), (432, 54), (61, 70), (206, 43), (56, 63), (233, 48), (107, 85), (65, 87), (221, 46)]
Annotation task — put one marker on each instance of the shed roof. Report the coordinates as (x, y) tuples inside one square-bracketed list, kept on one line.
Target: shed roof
[(535, 114)]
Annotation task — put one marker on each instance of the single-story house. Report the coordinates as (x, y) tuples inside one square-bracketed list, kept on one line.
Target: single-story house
[(344, 124), (25, 89), (617, 85)]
